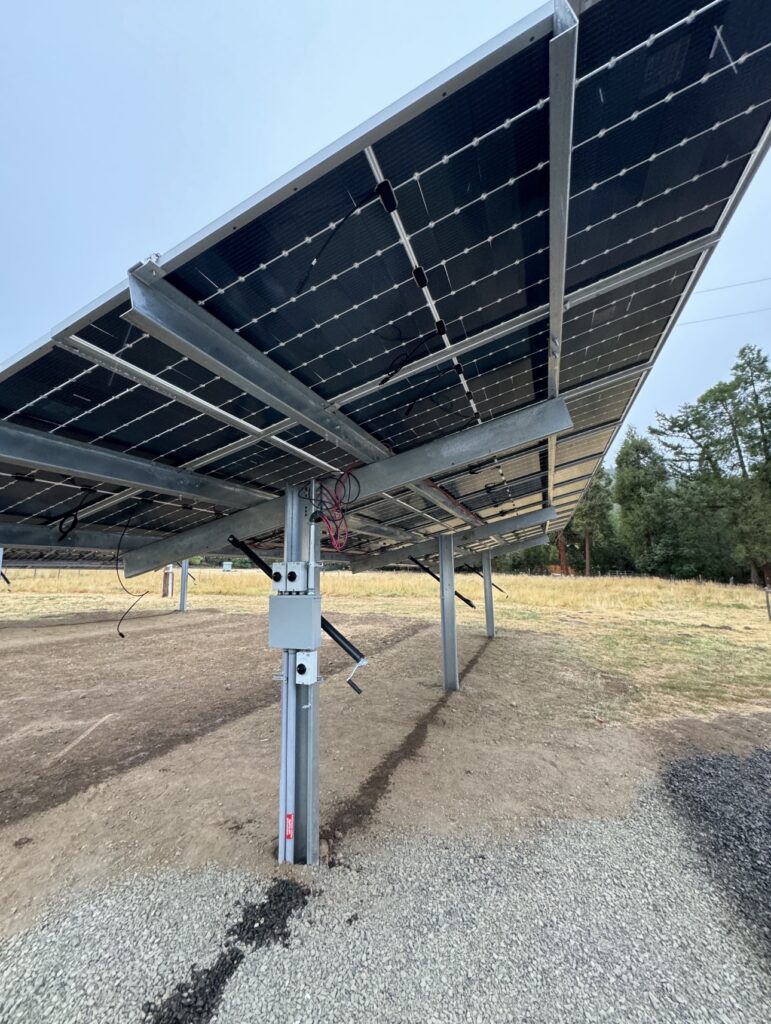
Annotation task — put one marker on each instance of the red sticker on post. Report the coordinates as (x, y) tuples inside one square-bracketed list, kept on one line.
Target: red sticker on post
[(289, 831)]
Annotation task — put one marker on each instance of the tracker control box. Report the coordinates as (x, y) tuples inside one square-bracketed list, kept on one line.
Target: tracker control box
[(294, 621)]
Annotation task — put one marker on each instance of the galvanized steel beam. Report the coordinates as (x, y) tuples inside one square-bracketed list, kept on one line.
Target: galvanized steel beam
[(123, 368), (462, 448), (25, 535), (629, 275), (165, 313), (466, 446), (22, 446), (512, 524), (370, 527), (474, 558), (441, 455)]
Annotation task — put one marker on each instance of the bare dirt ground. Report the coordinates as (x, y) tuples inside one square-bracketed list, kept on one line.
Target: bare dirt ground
[(80, 705), (163, 748)]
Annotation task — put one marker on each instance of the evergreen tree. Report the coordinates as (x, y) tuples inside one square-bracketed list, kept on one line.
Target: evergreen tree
[(752, 381), (718, 450), (646, 504), (592, 527)]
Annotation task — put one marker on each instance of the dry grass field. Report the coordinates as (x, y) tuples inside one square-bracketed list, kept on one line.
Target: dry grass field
[(674, 647)]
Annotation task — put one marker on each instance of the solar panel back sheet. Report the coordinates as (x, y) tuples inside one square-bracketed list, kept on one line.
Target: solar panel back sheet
[(522, 231)]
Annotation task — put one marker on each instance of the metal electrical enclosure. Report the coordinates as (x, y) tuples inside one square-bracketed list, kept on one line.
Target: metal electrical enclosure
[(294, 621)]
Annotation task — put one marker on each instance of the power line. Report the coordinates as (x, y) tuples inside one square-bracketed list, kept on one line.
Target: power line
[(737, 284), (725, 316)]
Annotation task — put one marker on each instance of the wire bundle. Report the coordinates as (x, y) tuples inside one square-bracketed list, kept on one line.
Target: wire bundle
[(330, 502)]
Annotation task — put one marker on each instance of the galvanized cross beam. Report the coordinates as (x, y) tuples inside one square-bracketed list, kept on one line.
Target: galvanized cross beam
[(370, 527), (540, 517), (699, 246), (438, 456), (25, 535), (573, 298), (165, 313), (627, 276), (474, 558), (22, 446), (161, 310)]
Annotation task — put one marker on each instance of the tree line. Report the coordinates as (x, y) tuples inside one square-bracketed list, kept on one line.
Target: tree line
[(692, 499)]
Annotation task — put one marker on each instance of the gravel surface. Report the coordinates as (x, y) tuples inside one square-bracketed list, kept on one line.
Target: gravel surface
[(99, 957), (566, 921), (727, 801)]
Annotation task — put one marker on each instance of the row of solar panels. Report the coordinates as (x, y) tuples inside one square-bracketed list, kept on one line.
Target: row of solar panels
[(408, 284)]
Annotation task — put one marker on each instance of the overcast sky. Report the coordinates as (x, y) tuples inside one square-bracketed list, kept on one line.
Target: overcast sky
[(127, 127)]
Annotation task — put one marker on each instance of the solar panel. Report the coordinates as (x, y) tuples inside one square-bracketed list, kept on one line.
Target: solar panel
[(511, 235)]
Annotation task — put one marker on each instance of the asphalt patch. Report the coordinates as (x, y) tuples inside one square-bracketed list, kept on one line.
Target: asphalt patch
[(355, 812), (726, 801), (195, 1000)]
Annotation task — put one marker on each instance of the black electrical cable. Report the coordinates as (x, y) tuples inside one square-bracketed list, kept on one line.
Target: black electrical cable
[(69, 520), (434, 401), (400, 361), (123, 585), (333, 232)]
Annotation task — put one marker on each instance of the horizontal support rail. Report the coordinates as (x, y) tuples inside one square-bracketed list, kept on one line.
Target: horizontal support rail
[(24, 535), (463, 538), (443, 454), (22, 446), (161, 310), (474, 558)]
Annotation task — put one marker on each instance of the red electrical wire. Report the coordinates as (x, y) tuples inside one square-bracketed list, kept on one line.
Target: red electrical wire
[(331, 507)]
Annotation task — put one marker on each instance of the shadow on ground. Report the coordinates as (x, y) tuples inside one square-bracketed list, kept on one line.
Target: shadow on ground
[(726, 801), (79, 706)]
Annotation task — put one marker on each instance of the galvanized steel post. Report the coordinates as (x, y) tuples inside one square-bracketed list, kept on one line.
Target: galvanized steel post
[(183, 581), (447, 599), (487, 574), (298, 841)]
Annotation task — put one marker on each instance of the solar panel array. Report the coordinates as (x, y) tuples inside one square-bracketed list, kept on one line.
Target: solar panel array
[(671, 115)]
